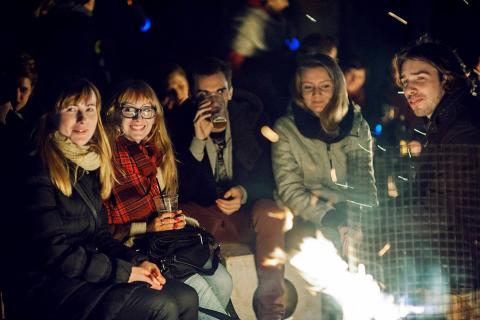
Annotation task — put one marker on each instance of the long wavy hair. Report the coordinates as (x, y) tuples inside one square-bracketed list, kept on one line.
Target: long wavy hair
[(74, 91), (132, 91), (337, 107)]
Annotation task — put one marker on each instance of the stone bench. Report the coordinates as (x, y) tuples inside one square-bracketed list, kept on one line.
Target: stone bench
[(240, 262)]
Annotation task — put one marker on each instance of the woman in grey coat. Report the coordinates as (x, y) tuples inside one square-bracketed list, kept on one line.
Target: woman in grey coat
[(322, 163)]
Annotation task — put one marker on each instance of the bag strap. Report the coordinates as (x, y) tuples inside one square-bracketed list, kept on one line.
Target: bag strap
[(86, 199), (215, 314), (206, 271)]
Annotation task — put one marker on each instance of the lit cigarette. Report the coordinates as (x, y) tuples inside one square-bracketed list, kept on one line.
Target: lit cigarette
[(393, 15), (384, 250), (421, 132), (269, 134), (400, 92), (403, 178), (381, 148), (311, 18), (466, 2)]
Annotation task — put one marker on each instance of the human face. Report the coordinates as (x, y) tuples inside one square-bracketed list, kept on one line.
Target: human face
[(179, 84), (137, 128), (24, 90), (213, 84), (317, 89), (79, 121), (355, 79), (421, 86)]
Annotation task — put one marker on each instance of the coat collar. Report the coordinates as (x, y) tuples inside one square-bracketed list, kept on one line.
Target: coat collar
[(309, 125)]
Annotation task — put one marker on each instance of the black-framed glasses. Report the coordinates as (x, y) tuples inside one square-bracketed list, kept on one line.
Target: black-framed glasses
[(131, 112)]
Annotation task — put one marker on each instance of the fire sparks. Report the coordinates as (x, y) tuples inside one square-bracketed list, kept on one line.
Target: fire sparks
[(358, 293), (391, 187), (269, 134), (394, 16), (420, 132), (384, 250), (310, 18)]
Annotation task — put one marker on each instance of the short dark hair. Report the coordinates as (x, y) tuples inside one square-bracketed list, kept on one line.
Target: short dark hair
[(317, 43), (440, 56), (208, 66)]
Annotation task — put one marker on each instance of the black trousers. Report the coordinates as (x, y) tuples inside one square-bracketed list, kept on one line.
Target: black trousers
[(175, 301)]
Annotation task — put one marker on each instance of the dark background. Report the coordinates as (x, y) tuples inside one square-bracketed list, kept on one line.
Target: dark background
[(182, 30)]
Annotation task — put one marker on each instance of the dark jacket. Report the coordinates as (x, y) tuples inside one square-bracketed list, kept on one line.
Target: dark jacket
[(251, 157), (455, 120), (449, 187), (66, 261)]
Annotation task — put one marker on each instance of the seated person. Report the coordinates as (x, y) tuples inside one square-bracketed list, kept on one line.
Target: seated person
[(67, 264), (225, 177), (146, 173), (323, 159)]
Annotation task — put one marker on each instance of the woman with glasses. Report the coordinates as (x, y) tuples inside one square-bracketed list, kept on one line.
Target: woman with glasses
[(322, 162), (146, 173), (67, 264)]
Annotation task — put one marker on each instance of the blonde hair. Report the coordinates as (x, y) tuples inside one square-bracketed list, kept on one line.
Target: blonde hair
[(337, 107), (132, 91), (78, 90)]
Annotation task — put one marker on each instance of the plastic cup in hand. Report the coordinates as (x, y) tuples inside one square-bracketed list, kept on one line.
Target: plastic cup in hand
[(218, 116), (170, 204)]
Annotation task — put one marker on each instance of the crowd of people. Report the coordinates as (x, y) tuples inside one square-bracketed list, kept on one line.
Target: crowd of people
[(85, 181)]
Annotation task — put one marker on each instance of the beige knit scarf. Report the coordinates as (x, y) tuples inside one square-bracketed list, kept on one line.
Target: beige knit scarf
[(82, 156)]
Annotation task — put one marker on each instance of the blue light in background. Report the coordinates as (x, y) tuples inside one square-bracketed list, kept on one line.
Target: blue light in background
[(378, 130), (146, 26), (293, 44)]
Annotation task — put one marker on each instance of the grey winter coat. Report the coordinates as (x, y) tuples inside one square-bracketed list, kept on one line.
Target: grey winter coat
[(305, 168)]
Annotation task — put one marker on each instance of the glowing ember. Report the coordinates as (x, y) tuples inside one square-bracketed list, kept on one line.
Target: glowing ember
[(363, 148), (269, 134), (311, 18), (384, 250), (381, 148), (393, 15), (358, 293), (391, 187), (421, 132)]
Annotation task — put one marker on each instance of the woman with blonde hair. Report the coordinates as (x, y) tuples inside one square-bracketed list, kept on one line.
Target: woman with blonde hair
[(322, 162), (147, 174), (70, 266)]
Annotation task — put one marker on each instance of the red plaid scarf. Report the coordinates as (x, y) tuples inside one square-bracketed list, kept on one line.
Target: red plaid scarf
[(137, 195)]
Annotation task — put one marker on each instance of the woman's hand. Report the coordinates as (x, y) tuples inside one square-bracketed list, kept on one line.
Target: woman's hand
[(167, 221), (148, 272), (164, 222)]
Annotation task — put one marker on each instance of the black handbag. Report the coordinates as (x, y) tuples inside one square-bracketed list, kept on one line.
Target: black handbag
[(181, 253)]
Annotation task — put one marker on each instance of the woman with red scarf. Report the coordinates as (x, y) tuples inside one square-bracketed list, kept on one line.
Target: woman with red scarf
[(146, 173)]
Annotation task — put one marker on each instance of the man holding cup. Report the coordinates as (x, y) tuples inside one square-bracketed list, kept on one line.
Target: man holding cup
[(226, 181)]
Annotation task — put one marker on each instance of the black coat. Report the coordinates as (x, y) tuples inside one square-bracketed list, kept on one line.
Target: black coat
[(251, 157), (449, 187), (67, 261)]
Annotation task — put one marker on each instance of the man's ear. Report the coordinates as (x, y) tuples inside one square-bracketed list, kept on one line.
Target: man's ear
[(230, 93)]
